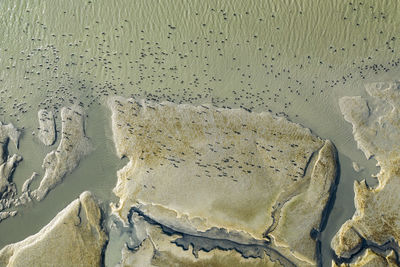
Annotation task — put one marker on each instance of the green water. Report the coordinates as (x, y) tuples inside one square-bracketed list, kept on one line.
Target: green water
[(291, 57)]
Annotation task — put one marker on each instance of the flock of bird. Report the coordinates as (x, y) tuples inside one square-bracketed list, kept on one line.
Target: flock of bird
[(275, 56), (218, 143), (163, 62)]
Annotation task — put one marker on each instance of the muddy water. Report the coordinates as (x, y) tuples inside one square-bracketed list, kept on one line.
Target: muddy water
[(290, 57), (97, 172)]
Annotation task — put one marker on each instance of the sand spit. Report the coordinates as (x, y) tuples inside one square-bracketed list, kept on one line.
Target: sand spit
[(356, 167), (27, 183), (6, 214), (252, 175), (7, 132), (12, 200), (8, 190), (7, 163), (74, 145), (73, 238), (47, 127), (376, 129), (26, 196), (7, 187)]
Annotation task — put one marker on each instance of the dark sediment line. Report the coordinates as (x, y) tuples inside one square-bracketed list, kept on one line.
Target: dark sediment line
[(254, 249), (382, 250), (103, 219)]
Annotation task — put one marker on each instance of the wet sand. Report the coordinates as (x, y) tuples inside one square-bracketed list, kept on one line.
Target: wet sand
[(283, 57)]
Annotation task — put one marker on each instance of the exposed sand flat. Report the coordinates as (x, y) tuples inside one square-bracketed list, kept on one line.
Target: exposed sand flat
[(294, 58), (74, 145), (7, 132), (356, 167), (8, 190), (73, 238), (371, 259), (6, 214), (47, 127), (9, 197), (304, 211), (7, 187), (27, 183), (376, 129), (198, 168), (25, 196)]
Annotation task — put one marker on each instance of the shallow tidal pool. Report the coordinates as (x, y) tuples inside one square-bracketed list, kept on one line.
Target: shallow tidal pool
[(292, 60)]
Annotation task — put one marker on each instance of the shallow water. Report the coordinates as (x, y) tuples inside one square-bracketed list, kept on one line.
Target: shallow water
[(284, 56), (96, 172)]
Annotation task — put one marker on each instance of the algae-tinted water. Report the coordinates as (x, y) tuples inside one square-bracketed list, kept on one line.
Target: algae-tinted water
[(294, 58)]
